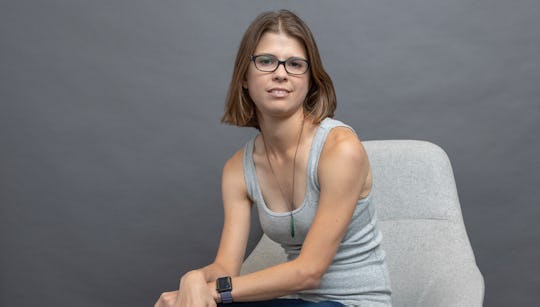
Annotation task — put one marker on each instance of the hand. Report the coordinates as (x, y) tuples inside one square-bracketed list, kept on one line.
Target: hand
[(167, 299), (194, 291)]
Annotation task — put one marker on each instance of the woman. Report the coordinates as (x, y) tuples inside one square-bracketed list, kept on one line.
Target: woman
[(308, 175)]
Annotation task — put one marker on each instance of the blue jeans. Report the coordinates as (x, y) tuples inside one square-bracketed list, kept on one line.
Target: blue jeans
[(284, 302)]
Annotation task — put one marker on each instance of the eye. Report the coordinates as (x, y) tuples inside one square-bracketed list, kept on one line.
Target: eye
[(296, 63), (265, 61)]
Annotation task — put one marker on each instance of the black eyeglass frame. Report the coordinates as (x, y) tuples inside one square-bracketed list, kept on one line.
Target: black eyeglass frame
[(254, 57)]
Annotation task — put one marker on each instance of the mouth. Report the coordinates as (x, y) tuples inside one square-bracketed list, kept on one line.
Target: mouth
[(278, 92)]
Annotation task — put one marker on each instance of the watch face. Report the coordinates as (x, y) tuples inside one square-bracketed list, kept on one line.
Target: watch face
[(224, 284)]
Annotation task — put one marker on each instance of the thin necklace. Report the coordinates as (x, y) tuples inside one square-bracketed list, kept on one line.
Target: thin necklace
[(293, 175)]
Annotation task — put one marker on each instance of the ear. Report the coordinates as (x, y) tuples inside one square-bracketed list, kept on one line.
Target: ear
[(244, 84)]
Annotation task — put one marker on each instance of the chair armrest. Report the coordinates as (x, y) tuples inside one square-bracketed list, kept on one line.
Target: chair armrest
[(460, 285)]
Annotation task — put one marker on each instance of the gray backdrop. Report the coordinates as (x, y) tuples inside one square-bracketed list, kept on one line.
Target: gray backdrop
[(111, 147)]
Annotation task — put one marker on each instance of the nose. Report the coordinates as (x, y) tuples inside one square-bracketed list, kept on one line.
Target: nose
[(280, 73)]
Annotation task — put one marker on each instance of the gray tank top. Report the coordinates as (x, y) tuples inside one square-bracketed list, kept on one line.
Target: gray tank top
[(358, 275)]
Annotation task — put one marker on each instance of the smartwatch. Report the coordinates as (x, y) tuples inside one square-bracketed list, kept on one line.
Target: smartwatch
[(224, 288)]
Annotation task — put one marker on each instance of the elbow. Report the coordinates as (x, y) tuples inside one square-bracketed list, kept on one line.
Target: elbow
[(309, 277), (312, 282)]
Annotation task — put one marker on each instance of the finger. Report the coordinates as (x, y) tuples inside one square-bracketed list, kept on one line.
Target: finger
[(166, 299)]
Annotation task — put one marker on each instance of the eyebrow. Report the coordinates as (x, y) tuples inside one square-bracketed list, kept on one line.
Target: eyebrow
[(269, 54)]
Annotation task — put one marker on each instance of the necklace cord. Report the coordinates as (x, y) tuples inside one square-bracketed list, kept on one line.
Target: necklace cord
[(291, 203)]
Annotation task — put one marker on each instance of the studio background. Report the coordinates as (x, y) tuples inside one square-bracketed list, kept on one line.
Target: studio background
[(111, 146)]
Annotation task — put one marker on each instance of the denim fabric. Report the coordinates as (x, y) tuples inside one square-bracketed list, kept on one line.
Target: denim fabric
[(285, 302)]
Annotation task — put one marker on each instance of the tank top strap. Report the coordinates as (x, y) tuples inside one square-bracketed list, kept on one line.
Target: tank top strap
[(316, 149), (317, 145), (250, 175)]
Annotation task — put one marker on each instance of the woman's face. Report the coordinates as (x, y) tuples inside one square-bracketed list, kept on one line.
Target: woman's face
[(278, 93)]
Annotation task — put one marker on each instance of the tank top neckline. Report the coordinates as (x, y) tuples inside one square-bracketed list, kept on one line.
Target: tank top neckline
[(309, 169)]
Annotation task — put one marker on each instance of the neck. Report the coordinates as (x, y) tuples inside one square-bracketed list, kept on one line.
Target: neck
[(281, 135)]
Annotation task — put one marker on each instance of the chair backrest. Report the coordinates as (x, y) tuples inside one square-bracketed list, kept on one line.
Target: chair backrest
[(429, 256)]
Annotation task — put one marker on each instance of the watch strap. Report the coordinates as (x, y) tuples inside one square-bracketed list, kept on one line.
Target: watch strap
[(226, 297)]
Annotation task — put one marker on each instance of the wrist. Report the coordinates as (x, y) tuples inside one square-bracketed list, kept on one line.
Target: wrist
[(224, 288), (191, 280), (213, 291), (194, 273)]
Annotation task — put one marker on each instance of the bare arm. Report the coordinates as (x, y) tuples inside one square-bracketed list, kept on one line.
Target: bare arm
[(237, 215), (197, 287)]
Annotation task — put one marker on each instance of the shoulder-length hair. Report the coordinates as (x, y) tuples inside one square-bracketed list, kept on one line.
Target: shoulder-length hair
[(320, 100)]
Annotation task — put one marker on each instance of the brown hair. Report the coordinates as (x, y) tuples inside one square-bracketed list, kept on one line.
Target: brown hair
[(320, 100)]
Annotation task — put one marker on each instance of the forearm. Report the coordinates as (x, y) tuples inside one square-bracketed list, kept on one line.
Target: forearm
[(212, 272), (276, 281)]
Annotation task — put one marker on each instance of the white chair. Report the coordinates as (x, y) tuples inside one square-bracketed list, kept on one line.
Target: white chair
[(429, 256)]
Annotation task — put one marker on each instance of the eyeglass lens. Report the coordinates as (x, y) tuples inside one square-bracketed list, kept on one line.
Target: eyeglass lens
[(269, 63)]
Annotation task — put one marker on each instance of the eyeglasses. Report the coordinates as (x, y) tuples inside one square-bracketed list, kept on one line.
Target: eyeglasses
[(269, 63)]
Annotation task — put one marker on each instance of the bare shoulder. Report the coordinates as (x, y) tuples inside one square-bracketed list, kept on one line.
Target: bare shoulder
[(344, 162), (235, 162), (233, 174), (343, 143)]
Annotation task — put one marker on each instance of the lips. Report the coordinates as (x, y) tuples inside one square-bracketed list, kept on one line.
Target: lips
[(278, 92)]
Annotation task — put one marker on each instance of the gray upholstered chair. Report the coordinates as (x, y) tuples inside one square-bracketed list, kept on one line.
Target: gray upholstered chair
[(429, 255)]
